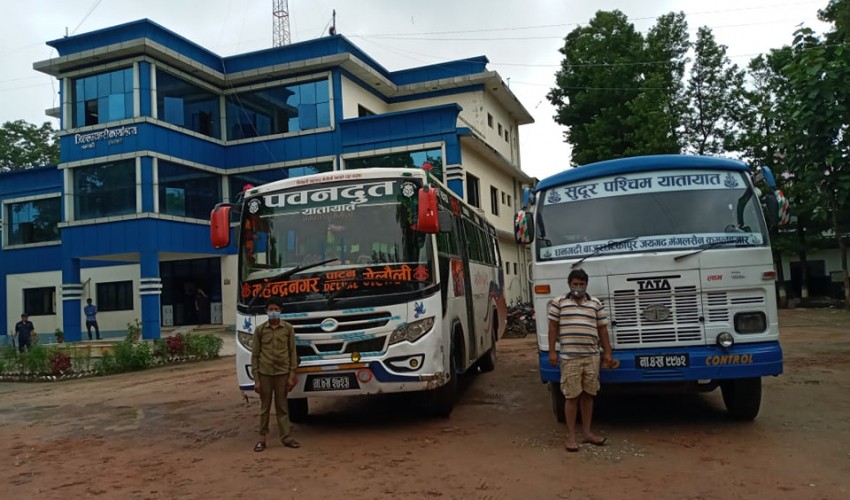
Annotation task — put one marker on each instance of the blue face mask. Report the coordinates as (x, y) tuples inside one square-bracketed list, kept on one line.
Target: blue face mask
[(274, 314)]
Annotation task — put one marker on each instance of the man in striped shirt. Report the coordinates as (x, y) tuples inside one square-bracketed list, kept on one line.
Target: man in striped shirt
[(579, 323)]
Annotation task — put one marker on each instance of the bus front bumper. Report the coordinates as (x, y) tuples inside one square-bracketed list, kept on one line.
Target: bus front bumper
[(683, 364)]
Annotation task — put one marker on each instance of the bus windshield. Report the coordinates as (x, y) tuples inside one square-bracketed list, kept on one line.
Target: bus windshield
[(649, 212), (354, 239)]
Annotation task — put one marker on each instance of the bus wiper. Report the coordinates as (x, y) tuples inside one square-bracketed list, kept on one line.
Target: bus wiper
[(603, 247), (703, 248), (284, 275)]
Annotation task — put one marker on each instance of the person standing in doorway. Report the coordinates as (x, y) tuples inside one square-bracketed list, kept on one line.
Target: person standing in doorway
[(273, 364), (91, 318), (24, 330), (202, 306), (580, 323)]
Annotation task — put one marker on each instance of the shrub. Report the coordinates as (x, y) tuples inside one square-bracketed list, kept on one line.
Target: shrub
[(204, 346), (176, 344), (160, 348), (60, 363), (36, 361), (134, 331), (106, 364), (130, 356)]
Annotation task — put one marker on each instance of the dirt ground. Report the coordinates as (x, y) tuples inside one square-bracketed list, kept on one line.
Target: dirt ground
[(187, 432)]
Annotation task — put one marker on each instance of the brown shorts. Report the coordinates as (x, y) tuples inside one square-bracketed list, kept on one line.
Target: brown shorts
[(580, 375)]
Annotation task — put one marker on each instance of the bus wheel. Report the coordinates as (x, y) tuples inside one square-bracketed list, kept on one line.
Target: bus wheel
[(298, 409), (488, 361), (443, 397), (742, 397), (558, 401)]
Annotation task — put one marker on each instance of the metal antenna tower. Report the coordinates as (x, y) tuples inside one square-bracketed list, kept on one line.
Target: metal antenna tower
[(280, 23)]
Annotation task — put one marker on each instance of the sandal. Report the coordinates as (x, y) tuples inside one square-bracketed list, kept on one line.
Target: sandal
[(601, 442), (291, 443), (571, 449), (260, 446)]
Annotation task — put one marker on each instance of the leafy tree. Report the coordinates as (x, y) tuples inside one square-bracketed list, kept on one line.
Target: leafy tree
[(657, 112), (816, 141), (597, 80), (714, 96), (24, 145)]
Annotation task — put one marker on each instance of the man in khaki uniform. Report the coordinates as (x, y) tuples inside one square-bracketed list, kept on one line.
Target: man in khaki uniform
[(273, 363)]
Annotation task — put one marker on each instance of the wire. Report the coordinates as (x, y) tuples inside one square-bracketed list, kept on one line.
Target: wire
[(91, 9)]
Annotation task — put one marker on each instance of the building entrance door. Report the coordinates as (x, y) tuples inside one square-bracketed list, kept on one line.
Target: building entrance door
[(191, 291)]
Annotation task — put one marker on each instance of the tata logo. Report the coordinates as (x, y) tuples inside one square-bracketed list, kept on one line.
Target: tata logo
[(329, 325), (657, 284)]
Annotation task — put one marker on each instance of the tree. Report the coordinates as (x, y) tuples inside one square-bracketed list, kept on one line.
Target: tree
[(714, 96), (657, 112), (24, 145), (597, 80), (816, 140)]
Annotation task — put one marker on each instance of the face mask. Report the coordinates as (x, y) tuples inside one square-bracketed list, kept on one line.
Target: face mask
[(578, 291), (274, 314)]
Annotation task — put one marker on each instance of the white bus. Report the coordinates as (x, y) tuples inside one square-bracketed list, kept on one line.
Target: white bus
[(677, 248), (392, 282)]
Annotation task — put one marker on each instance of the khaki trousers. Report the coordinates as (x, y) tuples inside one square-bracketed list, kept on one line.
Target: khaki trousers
[(274, 385)]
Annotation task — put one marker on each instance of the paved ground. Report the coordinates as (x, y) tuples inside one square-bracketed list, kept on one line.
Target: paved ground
[(186, 432)]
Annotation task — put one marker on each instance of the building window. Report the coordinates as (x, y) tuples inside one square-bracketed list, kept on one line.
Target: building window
[(507, 136), (103, 98), (34, 221), (507, 267), (509, 200), (500, 130), (490, 120), (115, 296), (105, 190), (494, 200), (278, 110), (503, 197), (431, 160), (186, 105), (260, 177), (515, 268), (187, 192), (363, 111), (40, 301), (472, 191)]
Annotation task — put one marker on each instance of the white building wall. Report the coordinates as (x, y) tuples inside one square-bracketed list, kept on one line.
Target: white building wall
[(110, 321), (354, 95), (45, 326), (229, 288)]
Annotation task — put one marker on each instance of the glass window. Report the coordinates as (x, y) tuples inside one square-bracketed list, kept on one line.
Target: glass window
[(103, 98), (40, 301), (186, 105), (115, 296), (33, 221), (428, 159), (278, 110), (186, 191), (494, 200), (260, 177), (105, 190), (507, 267), (472, 190), (472, 242)]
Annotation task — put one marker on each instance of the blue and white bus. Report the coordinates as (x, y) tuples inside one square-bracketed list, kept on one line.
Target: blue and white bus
[(677, 248), (391, 281)]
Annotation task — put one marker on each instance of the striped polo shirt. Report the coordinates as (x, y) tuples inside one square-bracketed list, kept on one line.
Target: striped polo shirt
[(578, 324)]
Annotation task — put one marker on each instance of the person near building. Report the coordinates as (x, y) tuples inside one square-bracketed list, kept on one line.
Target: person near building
[(579, 323), (202, 306), (273, 363), (91, 318), (24, 331)]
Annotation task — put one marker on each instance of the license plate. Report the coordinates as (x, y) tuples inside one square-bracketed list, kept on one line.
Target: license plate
[(662, 361), (344, 382)]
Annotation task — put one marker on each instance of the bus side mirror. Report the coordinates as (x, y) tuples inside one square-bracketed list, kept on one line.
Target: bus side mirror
[(523, 228), (220, 226), (429, 219)]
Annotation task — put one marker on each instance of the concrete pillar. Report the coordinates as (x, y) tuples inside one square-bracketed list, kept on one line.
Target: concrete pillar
[(72, 292), (150, 289)]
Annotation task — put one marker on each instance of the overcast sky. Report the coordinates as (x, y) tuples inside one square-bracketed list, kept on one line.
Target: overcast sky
[(521, 39)]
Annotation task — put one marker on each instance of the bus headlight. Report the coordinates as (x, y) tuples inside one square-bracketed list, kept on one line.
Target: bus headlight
[(750, 322), (246, 339), (725, 340), (411, 332)]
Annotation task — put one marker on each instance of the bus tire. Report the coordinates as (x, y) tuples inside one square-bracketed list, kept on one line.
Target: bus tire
[(443, 398), (298, 409), (558, 402), (488, 361), (742, 397)]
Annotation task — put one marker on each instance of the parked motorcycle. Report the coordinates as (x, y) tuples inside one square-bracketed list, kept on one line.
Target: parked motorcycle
[(521, 320)]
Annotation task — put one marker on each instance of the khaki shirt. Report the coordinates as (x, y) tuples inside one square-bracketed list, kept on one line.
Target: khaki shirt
[(273, 350)]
